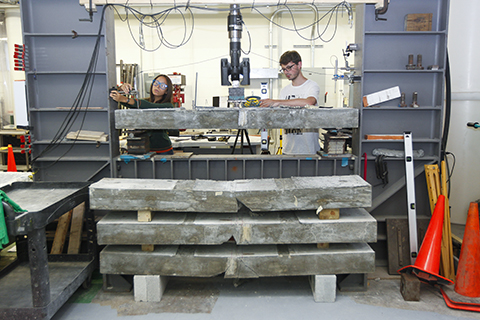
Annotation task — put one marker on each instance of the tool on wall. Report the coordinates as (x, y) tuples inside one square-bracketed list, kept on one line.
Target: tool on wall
[(410, 186), (178, 82), (381, 170), (20, 57)]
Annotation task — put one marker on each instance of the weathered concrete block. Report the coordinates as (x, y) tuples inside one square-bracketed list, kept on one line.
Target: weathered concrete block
[(258, 195), (149, 288), (234, 118), (163, 195), (324, 287), (410, 287), (239, 261), (122, 228), (7, 178)]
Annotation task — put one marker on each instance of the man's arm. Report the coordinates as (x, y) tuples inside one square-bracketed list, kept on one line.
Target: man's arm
[(292, 102)]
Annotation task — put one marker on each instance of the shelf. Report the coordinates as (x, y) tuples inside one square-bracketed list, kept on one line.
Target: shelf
[(70, 142), (34, 73), (67, 109), (402, 71), (425, 158), (402, 33), (418, 140), (395, 108), (73, 159), (31, 34)]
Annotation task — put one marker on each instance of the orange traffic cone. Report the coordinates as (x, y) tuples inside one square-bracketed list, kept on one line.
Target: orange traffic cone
[(468, 272), (11, 166), (427, 264)]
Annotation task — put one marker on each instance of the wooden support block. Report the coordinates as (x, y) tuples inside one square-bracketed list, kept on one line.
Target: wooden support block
[(145, 215), (61, 233), (410, 287), (329, 214), (148, 247), (75, 237)]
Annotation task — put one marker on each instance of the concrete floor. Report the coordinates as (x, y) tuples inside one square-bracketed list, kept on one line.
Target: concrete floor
[(265, 298)]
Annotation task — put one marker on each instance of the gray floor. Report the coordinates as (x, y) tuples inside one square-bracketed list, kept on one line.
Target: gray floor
[(266, 298)]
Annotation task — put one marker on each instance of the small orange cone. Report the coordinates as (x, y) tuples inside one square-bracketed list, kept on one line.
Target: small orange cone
[(427, 264), (468, 272), (11, 166)]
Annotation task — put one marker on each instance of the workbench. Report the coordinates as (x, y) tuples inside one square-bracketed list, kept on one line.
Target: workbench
[(39, 284)]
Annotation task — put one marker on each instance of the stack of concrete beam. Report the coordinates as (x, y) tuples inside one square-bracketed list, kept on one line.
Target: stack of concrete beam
[(241, 228)]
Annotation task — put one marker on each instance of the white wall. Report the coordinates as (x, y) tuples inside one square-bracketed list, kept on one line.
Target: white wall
[(210, 43), (464, 142), (13, 30)]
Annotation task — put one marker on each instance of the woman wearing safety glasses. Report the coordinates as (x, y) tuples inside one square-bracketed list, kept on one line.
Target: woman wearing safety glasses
[(160, 97)]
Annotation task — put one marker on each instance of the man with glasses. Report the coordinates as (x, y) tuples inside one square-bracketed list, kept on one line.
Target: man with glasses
[(300, 92)]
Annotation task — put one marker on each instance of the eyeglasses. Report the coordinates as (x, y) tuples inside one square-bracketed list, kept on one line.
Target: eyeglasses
[(288, 68), (159, 84)]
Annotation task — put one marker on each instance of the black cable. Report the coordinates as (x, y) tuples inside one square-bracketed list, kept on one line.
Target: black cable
[(449, 172), (448, 108), (329, 13), (249, 40)]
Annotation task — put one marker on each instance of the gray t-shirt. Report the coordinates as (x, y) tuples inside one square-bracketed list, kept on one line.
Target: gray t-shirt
[(300, 141)]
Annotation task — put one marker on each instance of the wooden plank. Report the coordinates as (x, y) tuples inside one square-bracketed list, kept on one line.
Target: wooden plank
[(384, 137), (447, 246), (433, 184), (61, 233), (75, 237)]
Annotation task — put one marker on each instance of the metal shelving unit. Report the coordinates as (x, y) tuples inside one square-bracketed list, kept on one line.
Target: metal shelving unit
[(60, 41), (382, 59)]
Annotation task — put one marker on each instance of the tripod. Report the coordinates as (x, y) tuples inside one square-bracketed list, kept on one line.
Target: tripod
[(241, 133)]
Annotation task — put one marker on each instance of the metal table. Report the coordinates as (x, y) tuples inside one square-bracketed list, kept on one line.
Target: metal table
[(40, 283)]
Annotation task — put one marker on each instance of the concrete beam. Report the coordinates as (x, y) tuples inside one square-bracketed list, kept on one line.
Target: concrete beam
[(122, 228), (258, 195), (7, 178), (239, 261), (235, 118)]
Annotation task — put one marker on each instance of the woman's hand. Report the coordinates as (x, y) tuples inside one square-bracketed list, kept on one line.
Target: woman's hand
[(118, 97), (126, 87)]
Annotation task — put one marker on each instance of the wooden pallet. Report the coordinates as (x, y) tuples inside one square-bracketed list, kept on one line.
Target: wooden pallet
[(70, 223)]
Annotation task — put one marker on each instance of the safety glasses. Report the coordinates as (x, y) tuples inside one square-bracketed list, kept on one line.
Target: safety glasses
[(159, 84), (288, 68)]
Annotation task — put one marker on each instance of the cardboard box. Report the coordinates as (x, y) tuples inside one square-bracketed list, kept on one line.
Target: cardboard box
[(418, 22)]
